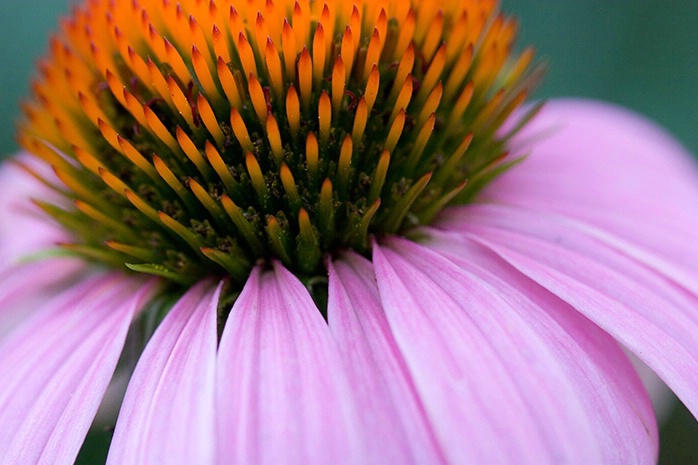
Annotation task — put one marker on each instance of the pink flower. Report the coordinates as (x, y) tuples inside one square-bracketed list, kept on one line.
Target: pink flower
[(493, 336), (251, 213)]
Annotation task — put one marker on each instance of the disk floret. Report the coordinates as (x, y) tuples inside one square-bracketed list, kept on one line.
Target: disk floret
[(197, 137)]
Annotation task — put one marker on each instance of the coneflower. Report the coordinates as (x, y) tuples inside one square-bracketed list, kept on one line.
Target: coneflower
[(354, 243)]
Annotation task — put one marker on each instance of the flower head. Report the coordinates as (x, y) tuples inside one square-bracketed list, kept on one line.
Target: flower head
[(222, 133), (333, 234)]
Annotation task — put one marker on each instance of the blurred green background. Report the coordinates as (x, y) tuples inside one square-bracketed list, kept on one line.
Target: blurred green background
[(642, 54)]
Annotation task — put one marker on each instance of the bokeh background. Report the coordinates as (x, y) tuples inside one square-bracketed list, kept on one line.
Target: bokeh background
[(641, 54)]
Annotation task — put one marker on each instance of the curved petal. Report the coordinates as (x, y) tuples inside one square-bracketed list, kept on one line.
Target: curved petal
[(394, 424), (653, 317), (596, 373), (23, 228), (167, 416), (611, 169), (25, 286), (282, 397), (485, 372), (56, 367)]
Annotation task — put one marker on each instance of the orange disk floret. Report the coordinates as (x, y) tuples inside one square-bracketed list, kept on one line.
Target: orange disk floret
[(221, 132)]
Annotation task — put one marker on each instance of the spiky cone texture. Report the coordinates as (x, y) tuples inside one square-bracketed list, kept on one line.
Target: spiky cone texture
[(196, 137)]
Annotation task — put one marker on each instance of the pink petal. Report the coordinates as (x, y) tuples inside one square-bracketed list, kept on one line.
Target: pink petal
[(282, 397), (24, 229), (613, 170), (603, 380), (56, 367), (489, 364), (167, 416), (653, 317), (394, 424), (26, 286), (25, 232)]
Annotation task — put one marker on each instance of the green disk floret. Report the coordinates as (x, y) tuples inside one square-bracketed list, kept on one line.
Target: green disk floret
[(186, 160)]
